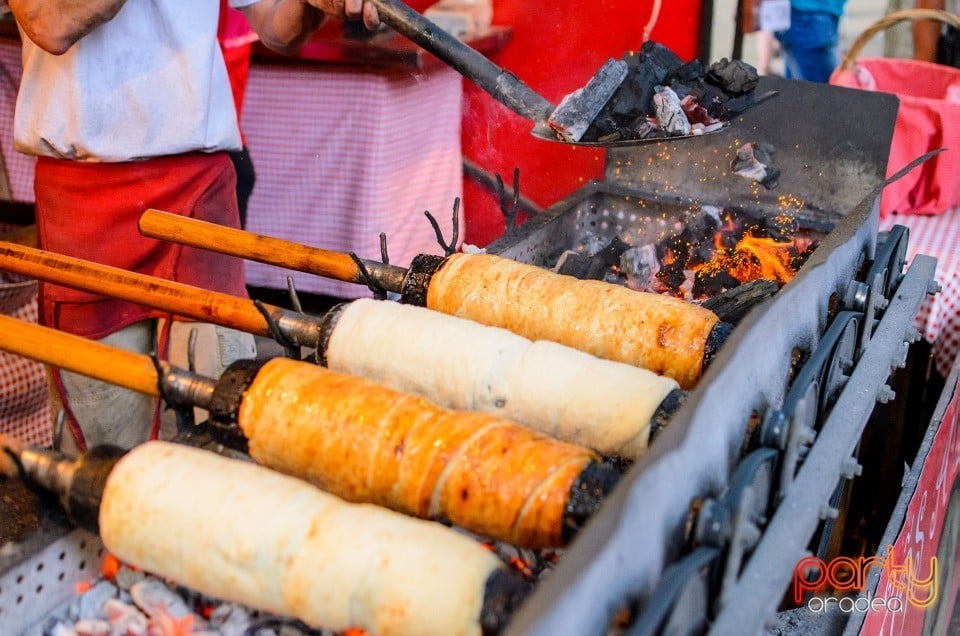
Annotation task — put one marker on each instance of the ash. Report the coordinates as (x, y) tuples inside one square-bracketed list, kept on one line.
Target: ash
[(138, 604), (133, 603)]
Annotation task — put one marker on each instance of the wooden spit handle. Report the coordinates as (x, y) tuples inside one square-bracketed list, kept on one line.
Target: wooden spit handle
[(73, 353), (255, 247), (175, 298)]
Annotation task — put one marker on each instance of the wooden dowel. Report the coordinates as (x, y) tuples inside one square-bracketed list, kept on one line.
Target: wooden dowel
[(255, 247), (175, 298), (72, 353)]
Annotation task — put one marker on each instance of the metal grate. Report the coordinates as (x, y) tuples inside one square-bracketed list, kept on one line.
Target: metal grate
[(30, 590)]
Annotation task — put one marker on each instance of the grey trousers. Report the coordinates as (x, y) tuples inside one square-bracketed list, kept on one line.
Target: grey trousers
[(108, 414)]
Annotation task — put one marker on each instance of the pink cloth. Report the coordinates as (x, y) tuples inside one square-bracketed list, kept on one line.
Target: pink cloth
[(928, 118), (343, 155)]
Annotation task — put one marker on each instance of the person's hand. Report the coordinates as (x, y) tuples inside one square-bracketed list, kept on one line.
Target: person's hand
[(350, 10), (8, 468)]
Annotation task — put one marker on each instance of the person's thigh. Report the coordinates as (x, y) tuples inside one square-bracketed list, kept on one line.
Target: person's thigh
[(106, 413)]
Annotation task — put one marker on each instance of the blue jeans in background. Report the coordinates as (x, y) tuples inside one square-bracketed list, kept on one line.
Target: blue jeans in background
[(811, 46)]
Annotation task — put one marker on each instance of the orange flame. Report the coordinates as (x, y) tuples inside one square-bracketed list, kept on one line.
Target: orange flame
[(755, 257)]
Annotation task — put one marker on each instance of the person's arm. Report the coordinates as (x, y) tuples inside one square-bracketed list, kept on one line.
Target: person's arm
[(55, 25), (927, 32), (284, 25)]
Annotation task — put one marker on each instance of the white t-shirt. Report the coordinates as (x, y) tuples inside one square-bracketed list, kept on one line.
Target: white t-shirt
[(148, 83)]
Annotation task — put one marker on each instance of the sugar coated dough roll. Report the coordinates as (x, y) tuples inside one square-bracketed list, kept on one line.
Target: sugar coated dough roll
[(461, 364), (365, 442), (663, 334), (244, 533)]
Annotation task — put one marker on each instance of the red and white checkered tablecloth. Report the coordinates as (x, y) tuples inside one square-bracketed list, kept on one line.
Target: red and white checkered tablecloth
[(24, 396), (19, 166), (343, 155), (939, 316)]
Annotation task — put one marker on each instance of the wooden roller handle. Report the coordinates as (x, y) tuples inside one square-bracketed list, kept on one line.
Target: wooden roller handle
[(175, 298), (72, 353), (255, 247)]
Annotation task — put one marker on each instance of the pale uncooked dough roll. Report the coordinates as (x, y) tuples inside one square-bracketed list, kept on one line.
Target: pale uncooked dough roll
[(461, 364), (663, 334), (368, 443), (244, 533)]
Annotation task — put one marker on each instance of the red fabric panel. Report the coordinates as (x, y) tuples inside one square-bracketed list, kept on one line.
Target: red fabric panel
[(90, 211)]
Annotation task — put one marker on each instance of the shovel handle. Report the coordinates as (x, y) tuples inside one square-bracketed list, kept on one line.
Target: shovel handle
[(265, 249), (502, 85), (73, 353)]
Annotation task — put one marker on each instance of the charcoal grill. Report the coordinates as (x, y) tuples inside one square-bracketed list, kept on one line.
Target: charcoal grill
[(831, 146), (696, 522)]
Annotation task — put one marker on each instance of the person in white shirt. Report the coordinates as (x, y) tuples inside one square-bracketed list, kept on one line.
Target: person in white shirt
[(127, 105)]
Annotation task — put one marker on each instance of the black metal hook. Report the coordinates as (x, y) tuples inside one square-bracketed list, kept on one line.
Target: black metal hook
[(509, 211), (294, 297), (290, 350), (450, 248), (376, 288), (384, 257)]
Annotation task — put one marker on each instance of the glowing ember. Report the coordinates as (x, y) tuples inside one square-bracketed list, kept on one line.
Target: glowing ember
[(753, 258), (110, 567)]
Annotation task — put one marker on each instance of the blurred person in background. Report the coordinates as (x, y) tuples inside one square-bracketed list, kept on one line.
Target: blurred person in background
[(811, 46), (915, 39), (127, 106)]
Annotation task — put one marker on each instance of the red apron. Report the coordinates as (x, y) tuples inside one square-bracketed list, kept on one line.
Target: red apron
[(90, 211)]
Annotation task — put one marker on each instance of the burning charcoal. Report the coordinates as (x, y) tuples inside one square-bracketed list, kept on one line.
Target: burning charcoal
[(154, 597), (640, 265), (124, 618), (61, 629), (93, 627), (701, 227), (578, 109), (670, 115), (797, 262), (781, 228), (690, 73), (673, 248), (635, 95), (126, 577), (230, 619), (662, 59), (647, 69), (737, 105), (90, 603), (610, 254), (753, 162), (581, 266), (603, 126), (642, 128), (736, 77), (713, 282), (672, 275), (696, 114)]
